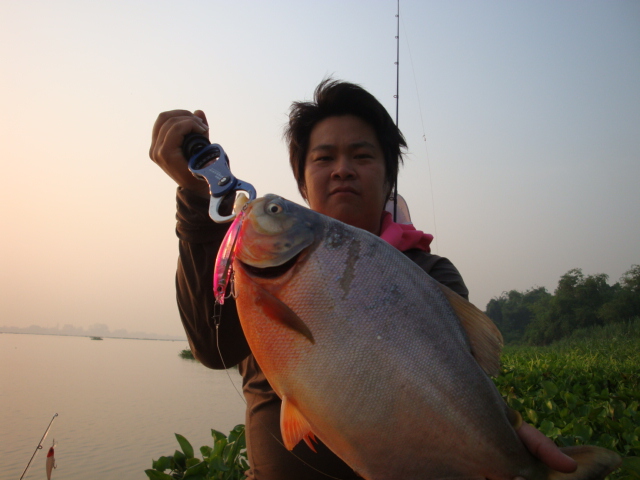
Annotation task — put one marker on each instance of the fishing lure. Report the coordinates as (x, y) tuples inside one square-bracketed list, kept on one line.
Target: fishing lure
[(223, 271), (51, 460)]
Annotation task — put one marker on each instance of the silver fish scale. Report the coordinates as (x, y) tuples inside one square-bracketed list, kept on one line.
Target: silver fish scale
[(388, 382), (390, 357)]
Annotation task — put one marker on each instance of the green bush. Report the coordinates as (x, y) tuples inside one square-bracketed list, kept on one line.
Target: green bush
[(584, 390), (226, 460)]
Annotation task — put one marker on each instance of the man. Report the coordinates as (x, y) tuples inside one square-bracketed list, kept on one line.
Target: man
[(345, 153)]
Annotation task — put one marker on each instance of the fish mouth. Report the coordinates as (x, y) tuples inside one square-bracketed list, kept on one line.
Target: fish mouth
[(270, 272)]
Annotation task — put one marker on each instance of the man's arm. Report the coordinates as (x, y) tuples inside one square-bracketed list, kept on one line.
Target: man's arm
[(216, 347), (200, 239)]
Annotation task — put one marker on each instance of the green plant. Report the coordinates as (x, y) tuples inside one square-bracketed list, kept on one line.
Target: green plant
[(186, 353), (581, 391), (226, 460)]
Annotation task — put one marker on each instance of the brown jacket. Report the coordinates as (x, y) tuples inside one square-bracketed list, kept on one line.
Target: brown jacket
[(225, 345)]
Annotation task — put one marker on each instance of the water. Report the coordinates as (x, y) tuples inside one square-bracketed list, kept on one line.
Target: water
[(119, 403)]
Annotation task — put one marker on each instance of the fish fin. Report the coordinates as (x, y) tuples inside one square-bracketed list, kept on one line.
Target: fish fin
[(484, 337), (294, 427), (593, 463), (277, 310)]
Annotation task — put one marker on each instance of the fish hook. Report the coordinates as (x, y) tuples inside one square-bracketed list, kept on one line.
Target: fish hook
[(232, 291)]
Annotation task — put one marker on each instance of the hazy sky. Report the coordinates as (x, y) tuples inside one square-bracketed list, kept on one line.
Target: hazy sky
[(522, 118)]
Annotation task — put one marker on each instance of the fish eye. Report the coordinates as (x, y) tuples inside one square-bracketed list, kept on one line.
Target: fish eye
[(274, 208)]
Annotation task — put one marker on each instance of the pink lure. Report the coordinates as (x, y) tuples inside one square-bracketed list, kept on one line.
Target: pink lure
[(224, 260)]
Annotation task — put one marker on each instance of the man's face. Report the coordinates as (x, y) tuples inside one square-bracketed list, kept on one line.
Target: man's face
[(345, 172)]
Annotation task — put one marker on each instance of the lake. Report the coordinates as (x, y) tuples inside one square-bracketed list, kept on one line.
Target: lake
[(119, 403)]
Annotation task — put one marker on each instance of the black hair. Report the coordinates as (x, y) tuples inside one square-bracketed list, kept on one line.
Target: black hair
[(336, 98)]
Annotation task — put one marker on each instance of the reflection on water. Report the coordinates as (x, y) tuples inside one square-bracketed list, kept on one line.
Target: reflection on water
[(119, 404)]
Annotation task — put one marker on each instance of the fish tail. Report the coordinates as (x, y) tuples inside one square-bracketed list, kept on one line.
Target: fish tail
[(593, 463)]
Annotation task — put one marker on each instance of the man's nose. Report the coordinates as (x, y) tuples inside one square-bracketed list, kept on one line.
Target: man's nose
[(343, 168)]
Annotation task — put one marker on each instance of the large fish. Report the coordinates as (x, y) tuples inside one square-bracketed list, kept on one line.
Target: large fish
[(375, 358)]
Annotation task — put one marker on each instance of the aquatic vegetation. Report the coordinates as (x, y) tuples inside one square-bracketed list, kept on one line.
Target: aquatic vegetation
[(187, 354), (583, 390), (225, 460)]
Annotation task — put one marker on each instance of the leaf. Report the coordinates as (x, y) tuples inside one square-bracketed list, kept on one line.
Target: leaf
[(618, 409), (217, 465), (565, 441), (238, 431), (162, 464), (571, 399), (550, 389), (155, 475), (548, 428), (583, 411), (632, 465), (583, 432), (206, 451), (217, 435), (187, 449), (219, 447), (227, 454), (180, 460), (199, 468), (631, 438)]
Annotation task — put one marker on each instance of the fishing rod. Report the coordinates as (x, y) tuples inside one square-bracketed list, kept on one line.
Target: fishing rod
[(39, 447), (395, 186)]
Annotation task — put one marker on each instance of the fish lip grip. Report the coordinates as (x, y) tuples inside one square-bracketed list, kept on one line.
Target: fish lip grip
[(209, 161)]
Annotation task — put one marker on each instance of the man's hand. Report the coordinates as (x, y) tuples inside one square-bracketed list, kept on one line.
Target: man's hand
[(543, 448), (166, 142)]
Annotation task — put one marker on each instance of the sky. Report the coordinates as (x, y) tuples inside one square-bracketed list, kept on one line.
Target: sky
[(522, 119)]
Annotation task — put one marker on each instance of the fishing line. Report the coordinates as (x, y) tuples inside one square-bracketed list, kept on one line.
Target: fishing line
[(217, 315), (424, 135)]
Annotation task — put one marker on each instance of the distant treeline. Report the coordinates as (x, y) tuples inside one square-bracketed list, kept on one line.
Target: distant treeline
[(537, 317)]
